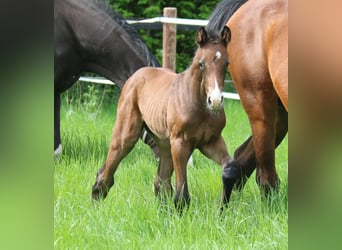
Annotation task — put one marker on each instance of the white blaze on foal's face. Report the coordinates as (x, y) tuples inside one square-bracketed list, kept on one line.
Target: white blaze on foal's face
[(215, 98)]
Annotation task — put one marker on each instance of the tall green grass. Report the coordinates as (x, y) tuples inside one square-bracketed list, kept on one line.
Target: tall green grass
[(132, 217)]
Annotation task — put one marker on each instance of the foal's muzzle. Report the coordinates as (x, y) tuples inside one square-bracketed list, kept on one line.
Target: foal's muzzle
[(215, 100)]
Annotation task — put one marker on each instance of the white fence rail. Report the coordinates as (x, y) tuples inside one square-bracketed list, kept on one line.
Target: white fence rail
[(101, 80), (178, 21)]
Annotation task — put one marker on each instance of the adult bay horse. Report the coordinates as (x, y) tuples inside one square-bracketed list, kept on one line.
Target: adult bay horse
[(183, 113), (90, 36), (258, 54)]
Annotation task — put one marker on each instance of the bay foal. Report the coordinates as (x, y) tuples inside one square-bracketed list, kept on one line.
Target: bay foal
[(181, 111)]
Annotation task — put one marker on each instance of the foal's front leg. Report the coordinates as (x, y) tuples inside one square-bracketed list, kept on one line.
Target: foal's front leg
[(181, 152), (217, 151)]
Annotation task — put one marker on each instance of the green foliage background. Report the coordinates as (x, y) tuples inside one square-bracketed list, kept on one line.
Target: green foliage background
[(196, 9), (87, 93)]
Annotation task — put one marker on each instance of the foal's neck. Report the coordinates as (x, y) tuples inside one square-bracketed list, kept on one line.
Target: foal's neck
[(192, 87)]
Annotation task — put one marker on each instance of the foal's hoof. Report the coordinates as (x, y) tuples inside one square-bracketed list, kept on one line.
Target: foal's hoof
[(97, 194), (100, 190)]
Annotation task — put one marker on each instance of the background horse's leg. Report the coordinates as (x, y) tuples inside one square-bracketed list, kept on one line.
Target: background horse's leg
[(57, 135), (181, 151), (244, 157), (148, 139), (217, 151), (245, 154), (126, 133)]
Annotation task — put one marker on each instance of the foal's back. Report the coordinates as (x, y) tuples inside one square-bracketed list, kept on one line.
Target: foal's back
[(149, 90)]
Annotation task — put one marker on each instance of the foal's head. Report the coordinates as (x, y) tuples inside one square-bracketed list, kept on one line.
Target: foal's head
[(210, 64)]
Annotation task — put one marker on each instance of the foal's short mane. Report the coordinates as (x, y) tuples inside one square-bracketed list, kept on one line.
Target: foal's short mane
[(214, 35), (139, 45)]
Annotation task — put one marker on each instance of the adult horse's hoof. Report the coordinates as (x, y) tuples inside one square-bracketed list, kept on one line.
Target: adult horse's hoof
[(268, 184), (181, 204)]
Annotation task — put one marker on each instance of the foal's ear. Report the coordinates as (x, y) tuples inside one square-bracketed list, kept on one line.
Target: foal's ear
[(226, 34), (201, 36)]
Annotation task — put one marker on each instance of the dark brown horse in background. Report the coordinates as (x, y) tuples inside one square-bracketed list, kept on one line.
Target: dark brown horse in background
[(90, 37), (258, 54), (181, 111)]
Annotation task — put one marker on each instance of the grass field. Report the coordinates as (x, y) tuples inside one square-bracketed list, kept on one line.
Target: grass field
[(131, 217)]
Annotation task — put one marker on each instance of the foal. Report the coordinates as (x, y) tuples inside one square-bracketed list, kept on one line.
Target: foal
[(181, 111)]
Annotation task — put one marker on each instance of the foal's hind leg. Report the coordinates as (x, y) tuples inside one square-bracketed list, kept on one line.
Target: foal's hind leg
[(126, 132)]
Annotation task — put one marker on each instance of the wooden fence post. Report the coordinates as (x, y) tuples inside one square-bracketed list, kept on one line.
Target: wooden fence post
[(169, 40)]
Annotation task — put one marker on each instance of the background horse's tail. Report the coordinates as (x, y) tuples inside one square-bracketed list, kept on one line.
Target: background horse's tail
[(221, 14)]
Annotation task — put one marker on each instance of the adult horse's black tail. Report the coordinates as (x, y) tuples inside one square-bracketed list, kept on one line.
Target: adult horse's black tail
[(221, 14)]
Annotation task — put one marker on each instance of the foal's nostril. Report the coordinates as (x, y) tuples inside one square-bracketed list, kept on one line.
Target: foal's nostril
[(209, 101), (215, 101)]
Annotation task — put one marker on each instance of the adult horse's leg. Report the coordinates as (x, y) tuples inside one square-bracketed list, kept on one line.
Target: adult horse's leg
[(262, 116), (245, 154), (181, 152), (126, 133), (217, 151), (57, 136)]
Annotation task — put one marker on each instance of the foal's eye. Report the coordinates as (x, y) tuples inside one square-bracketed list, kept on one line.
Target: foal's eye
[(201, 64)]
